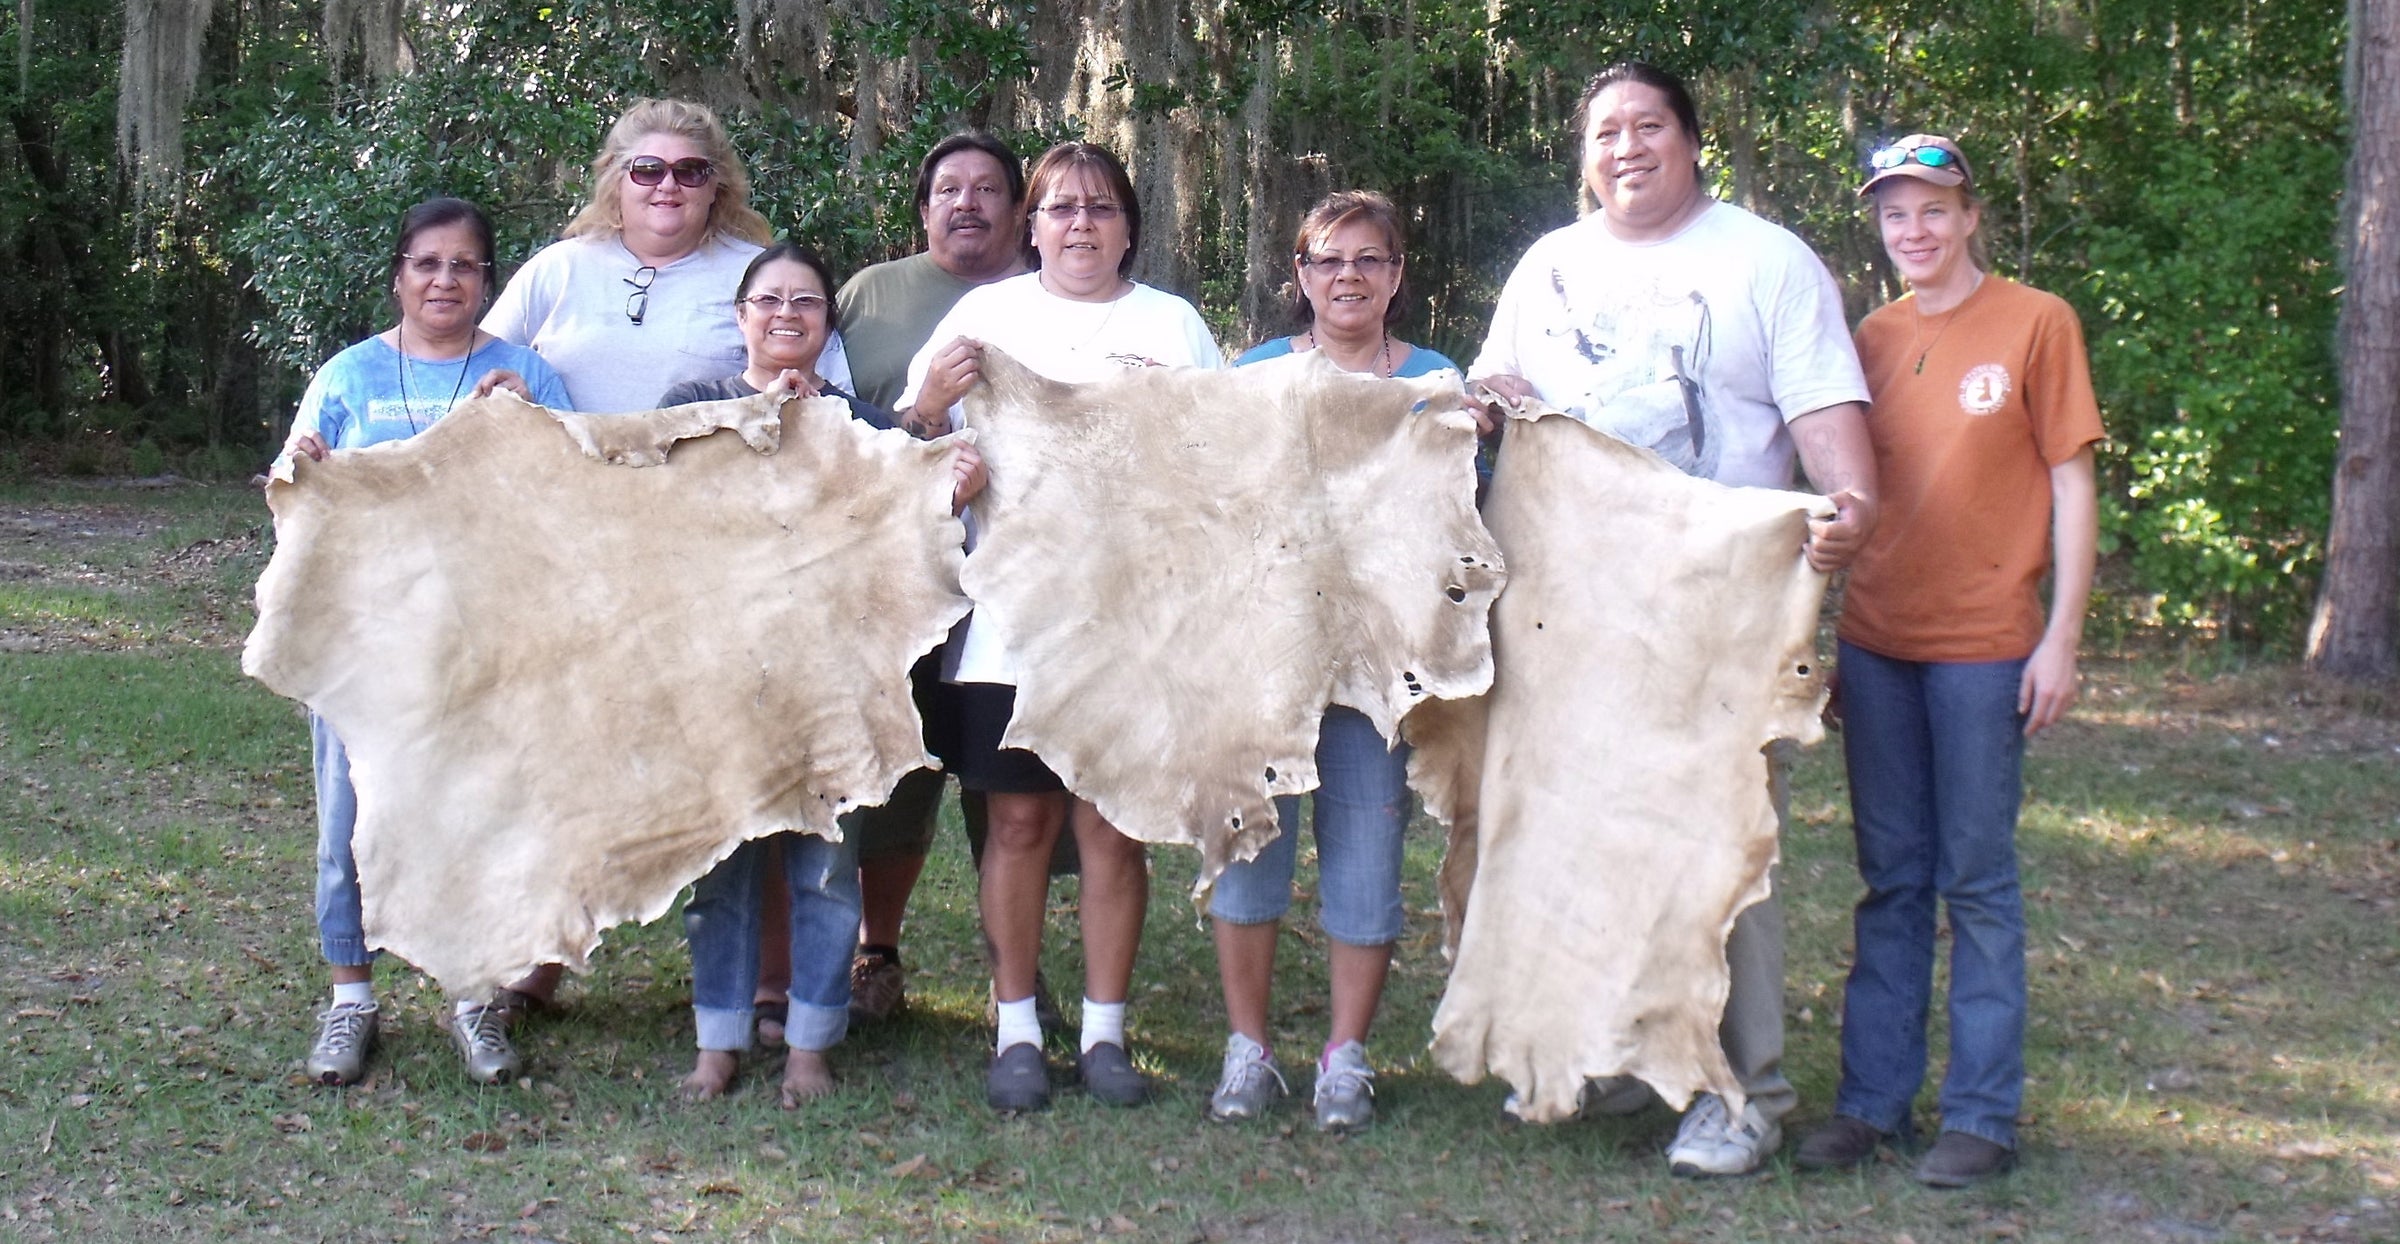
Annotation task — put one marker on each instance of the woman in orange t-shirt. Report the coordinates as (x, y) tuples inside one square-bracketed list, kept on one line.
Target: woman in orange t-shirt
[(1983, 424)]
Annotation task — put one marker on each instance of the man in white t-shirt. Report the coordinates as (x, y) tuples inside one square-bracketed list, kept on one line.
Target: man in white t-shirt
[(1694, 329)]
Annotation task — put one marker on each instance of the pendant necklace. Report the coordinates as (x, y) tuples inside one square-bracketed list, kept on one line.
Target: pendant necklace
[(408, 407), (1383, 360), (1947, 317)]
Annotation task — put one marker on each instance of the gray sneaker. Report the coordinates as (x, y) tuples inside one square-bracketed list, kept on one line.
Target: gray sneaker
[(1249, 1084), (1345, 1099), (345, 1036), (482, 1036)]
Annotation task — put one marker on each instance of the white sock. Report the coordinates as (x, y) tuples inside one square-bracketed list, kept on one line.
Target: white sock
[(461, 1007), (1103, 1021), (1020, 1024), (353, 993)]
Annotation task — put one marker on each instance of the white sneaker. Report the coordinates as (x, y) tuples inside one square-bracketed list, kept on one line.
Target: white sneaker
[(1711, 1142)]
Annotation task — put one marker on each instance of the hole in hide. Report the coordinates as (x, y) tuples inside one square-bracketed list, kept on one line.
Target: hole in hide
[(1270, 773), (1457, 595)]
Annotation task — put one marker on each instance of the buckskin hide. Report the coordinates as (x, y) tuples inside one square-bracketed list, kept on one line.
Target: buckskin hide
[(1608, 800), (568, 688), (1187, 566)]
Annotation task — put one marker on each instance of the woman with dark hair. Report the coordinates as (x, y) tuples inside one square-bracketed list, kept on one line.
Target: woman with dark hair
[(390, 387), (631, 299), (1983, 425), (1346, 270), (1075, 317), (1694, 329), (784, 305)]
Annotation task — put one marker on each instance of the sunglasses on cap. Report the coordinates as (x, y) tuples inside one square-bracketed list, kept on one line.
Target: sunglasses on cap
[(1919, 153), (691, 172)]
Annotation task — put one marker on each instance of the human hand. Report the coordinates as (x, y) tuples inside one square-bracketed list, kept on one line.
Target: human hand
[(502, 378), (955, 369), (310, 444), (2049, 685), (967, 476), (799, 382), (1834, 542)]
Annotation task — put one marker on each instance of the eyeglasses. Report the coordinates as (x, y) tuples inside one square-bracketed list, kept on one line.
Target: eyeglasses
[(460, 269), (1922, 153), (691, 172), (639, 301), (801, 304), (1369, 266), (1097, 213)]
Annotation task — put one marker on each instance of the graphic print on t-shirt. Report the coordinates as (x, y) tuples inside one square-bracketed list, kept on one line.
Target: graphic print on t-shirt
[(1984, 389), (1649, 344)]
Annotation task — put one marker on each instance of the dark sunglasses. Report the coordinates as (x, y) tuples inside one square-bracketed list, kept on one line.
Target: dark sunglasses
[(1925, 153), (691, 172)]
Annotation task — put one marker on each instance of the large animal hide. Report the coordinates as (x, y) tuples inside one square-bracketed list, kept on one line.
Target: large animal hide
[(1189, 565), (569, 688), (1608, 800)]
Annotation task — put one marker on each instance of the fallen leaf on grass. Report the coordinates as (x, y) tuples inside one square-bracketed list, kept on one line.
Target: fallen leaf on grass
[(484, 1142), (719, 1187), (1122, 1225), (904, 1169)]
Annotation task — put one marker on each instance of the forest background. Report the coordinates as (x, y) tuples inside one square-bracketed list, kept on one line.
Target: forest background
[(196, 195)]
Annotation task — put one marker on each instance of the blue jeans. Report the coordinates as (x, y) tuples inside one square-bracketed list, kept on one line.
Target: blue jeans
[(721, 923), (341, 921), (1934, 752), (1362, 808)]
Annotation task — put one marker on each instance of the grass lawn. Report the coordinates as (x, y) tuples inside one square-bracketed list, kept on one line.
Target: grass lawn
[(2212, 872)]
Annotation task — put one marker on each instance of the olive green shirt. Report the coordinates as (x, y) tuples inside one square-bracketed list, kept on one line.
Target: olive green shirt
[(887, 312)]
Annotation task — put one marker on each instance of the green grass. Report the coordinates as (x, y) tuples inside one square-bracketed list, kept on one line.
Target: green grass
[(2212, 880)]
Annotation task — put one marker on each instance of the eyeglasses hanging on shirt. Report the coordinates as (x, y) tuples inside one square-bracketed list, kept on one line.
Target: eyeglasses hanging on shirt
[(638, 303)]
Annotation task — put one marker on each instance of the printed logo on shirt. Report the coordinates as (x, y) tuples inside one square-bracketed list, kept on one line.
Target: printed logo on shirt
[(1984, 390)]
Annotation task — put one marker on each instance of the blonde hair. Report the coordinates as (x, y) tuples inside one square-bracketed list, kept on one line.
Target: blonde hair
[(729, 212)]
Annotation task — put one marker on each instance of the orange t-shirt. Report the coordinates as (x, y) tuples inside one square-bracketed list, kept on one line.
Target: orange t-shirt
[(1971, 410)]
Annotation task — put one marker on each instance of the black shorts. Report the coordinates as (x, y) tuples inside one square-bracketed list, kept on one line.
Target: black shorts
[(979, 713)]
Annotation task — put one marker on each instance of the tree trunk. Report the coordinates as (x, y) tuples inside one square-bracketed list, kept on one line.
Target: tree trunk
[(2356, 634)]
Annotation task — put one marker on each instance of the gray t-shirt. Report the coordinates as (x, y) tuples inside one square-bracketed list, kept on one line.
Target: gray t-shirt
[(569, 303)]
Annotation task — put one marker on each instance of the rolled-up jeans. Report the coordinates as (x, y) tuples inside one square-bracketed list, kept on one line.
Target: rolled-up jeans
[(1362, 808), (1935, 752), (341, 918), (720, 922)]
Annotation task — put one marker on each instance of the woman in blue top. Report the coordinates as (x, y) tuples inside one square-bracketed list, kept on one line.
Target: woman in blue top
[(390, 387), (1346, 267), (784, 307)]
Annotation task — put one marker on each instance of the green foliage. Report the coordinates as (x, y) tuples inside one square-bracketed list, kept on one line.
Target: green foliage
[(2216, 351), (2170, 166)]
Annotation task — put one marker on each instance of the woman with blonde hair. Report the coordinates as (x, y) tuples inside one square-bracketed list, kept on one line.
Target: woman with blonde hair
[(630, 301), (1984, 425)]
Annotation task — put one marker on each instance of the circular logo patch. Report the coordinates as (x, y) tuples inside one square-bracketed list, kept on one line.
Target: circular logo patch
[(1984, 390)]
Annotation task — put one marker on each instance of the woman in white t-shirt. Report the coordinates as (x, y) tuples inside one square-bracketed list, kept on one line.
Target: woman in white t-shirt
[(630, 301), (1076, 317)]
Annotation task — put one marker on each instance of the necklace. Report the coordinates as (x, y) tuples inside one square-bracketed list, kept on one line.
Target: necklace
[(1947, 317), (408, 406), (1382, 360), (1105, 318)]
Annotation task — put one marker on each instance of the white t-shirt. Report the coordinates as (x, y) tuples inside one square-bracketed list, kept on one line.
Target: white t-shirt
[(1698, 347), (1065, 340), (569, 303)]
